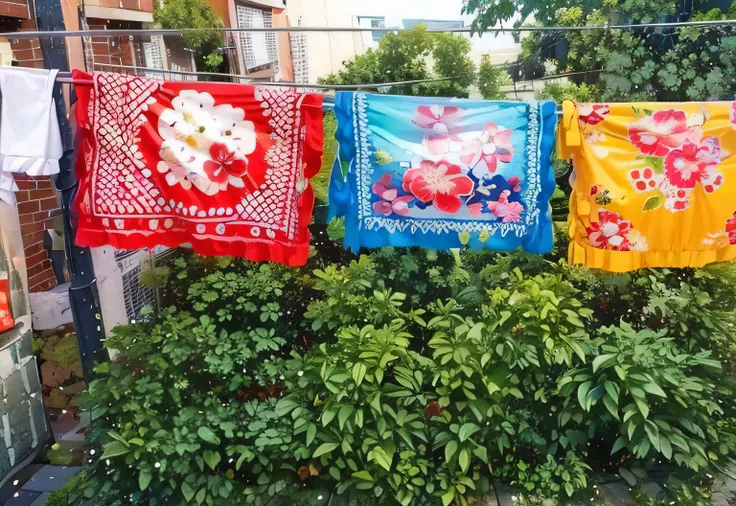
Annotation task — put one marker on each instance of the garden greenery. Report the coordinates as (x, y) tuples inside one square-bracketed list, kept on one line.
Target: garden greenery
[(416, 377)]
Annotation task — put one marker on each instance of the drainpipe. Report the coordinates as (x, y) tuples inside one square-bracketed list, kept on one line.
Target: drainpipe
[(83, 290)]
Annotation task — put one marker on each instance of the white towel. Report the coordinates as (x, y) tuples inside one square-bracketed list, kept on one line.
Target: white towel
[(30, 142)]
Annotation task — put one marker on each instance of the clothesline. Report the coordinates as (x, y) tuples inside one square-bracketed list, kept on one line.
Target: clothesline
[(294, 29), (65, 77)]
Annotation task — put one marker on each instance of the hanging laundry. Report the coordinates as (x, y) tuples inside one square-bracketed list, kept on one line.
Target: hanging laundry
[(30, 142), (652, 184), (441, 173), (222, 167)]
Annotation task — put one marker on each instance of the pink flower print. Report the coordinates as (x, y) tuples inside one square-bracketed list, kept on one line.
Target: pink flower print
[(693, 163), (439, 118), (657, 134), (732, 114), (390, 201), (492, 146), (476, 209), (611, 230), (592, 114), (509, 211), (441, 184)]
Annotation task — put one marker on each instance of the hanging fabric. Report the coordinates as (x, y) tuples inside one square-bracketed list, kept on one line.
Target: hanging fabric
[(652, 184), (30, 142), (224, 168), (441, 173)]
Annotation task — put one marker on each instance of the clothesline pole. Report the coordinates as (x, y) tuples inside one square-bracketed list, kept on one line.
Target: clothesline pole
[(296, 29)]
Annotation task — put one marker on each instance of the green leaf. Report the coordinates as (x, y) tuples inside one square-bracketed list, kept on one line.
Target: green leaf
[(382, 458), (144, 479), (359, 371), (187, 491), (665, 447), (656, 163), (628, 476), (643, 407), (583, 390), (311, 432), (285, 406), (327, 416), (464, 237), (335, 473), (448, 497), (619, 445), (212, 458), (654, 202), (201, 495), (464, 460), (114, 449), (324, 448), (653, 432), (467, 430), (207, 435), (344, 414), (450, 450), (569, 489), (611, 406), (654, 389), (613, 390), (600, 360), (475, 331), (363, 475)]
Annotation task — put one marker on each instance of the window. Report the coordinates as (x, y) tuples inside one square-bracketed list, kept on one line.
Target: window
[(259, 48), (378, 23)]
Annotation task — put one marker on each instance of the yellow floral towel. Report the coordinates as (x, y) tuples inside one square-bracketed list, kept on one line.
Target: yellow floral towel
[(655, 184)]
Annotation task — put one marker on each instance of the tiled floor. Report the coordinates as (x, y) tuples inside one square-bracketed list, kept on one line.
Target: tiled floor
[(50, 478), (35, 491)]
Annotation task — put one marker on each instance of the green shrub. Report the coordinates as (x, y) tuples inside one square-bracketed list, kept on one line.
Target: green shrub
[(417, 377)]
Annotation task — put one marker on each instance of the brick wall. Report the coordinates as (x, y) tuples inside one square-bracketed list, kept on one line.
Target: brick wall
[(38, 205), (27, 51)]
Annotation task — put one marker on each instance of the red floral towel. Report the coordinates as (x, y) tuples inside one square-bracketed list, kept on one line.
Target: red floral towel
[(222, 167)]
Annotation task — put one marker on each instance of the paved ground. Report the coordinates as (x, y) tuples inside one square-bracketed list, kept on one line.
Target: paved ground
[(40, 480)]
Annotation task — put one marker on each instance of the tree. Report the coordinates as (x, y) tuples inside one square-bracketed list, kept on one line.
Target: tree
[(405, 55), (491, 78), (198, 14), (688, 63)]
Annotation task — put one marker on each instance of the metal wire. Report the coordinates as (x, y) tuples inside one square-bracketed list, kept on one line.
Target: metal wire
[(65, 77), (467, 29)]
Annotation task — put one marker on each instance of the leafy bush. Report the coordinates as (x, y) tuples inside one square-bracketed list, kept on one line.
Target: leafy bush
[(416, 377)]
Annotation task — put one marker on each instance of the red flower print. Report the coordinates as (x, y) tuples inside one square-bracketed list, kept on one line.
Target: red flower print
[(592, 114), (436, 117), (657, 134), (441, 184), (611, 230), (223, 164), (693, 163), (731, 229), (492, 146)]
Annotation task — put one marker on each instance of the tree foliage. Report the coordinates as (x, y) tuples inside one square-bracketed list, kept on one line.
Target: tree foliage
[(491, 80), (681, 64), (406, 56), (175, 14)]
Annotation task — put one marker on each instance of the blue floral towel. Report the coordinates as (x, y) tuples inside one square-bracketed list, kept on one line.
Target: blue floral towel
[(440, 173)]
